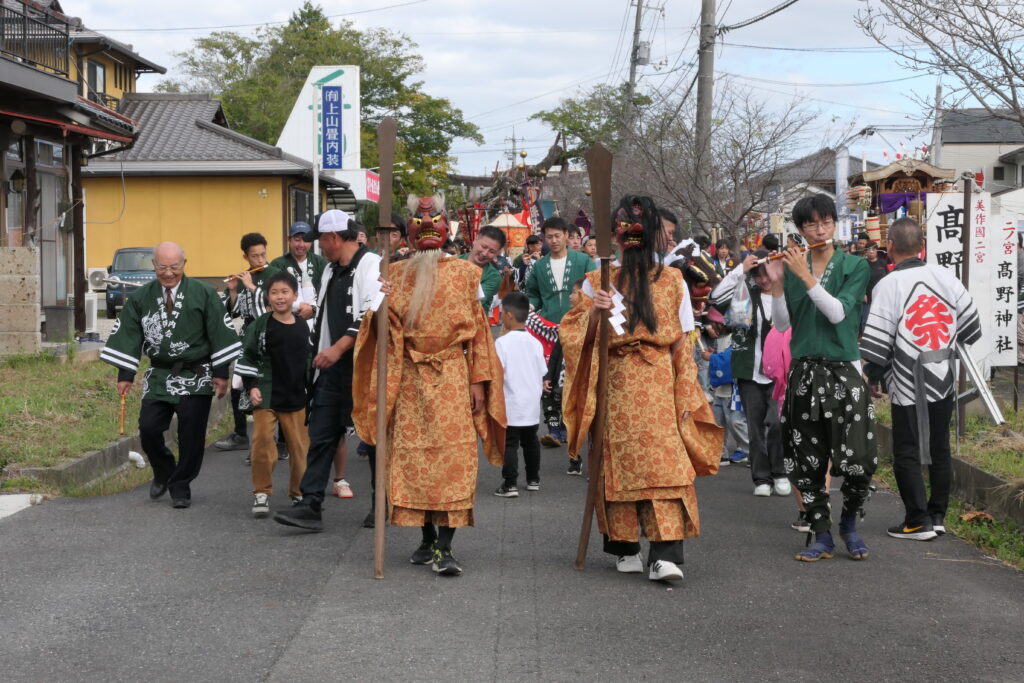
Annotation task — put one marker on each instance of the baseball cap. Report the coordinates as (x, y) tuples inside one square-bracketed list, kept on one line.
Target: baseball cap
[(299, 228), (332, 220)]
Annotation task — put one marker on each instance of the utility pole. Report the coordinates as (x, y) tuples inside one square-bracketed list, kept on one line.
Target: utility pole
[(512, 155), (935, 151), (631, 85), (705, 94)]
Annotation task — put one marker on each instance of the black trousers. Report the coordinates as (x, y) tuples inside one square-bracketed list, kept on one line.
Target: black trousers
[(906, 461), (764, 431), (330, 416), (672, 551), (154, 418), (527, 438)]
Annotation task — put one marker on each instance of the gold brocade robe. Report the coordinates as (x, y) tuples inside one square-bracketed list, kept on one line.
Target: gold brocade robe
[(432, 447), (650, 452)]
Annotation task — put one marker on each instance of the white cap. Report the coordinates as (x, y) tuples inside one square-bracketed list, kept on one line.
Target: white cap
[(333, 220)]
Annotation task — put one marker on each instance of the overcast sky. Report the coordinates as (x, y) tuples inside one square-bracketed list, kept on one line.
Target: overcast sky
[(501, 61)]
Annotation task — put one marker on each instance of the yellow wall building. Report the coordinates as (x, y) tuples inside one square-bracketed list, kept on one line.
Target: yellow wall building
[(190, 179)]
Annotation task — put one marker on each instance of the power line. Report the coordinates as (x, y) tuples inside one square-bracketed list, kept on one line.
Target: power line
[(264, 23), (822, 85), (759, 17)]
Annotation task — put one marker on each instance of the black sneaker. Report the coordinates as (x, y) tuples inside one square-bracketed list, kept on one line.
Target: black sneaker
[(533, 485), (575, 467), (921, 532), (424, 554), (301, 516), (444, 564), (801, 524), (369, 521), (232, 442), (282, 452), (939, 524), (507, 491)]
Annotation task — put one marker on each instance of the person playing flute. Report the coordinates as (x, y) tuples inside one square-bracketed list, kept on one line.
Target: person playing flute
[(827, 416)]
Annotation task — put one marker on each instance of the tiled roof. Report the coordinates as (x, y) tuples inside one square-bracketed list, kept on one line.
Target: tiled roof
[(978, 126), (170, 129)]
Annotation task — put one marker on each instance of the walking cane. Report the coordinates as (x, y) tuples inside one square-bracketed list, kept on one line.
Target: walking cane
[(599, 166), (387, 131), (124, 401)]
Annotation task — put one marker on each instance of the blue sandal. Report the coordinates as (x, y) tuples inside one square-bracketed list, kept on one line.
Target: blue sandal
[(818, 551)]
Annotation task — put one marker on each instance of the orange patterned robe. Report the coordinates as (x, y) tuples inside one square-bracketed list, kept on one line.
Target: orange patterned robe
[(432, 447), (651, 456)]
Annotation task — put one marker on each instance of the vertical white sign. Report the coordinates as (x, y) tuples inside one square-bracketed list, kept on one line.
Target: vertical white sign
[(299, 130), (992, 269)]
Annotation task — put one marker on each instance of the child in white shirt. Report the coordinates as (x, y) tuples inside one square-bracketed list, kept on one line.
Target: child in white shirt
[(522, 358)]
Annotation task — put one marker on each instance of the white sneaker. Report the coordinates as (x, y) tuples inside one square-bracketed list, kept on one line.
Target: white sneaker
[(342, 489), (261, 505), (663, 570), (630, 564), (782, 487), (763, 490)]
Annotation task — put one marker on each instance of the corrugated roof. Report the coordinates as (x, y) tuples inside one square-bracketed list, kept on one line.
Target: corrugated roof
[(81, 34), (978, 126)]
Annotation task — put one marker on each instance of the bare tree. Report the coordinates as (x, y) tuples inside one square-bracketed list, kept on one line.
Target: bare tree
[(750, 145), (975, 44)]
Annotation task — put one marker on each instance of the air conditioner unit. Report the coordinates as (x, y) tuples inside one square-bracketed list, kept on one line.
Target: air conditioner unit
[(96, 277), (91, 306)]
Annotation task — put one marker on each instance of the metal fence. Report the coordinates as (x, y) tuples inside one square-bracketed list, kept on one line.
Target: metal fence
[(34, 37)]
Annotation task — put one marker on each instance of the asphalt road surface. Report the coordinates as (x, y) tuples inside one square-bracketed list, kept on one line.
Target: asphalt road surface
[(124, 589)]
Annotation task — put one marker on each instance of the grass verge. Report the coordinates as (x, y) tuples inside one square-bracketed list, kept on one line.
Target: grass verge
[(999, 450), (51, 412)]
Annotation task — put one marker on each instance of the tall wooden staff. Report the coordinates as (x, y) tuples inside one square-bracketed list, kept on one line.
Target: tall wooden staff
[(599, 166), (387, 131)]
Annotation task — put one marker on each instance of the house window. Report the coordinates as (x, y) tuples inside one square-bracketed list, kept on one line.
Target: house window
[(302, 205), (998, 173), (97, 81)]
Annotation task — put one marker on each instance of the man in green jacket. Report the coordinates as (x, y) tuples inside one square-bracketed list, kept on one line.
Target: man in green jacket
[(550, 282), (549, 285), (486, 247)]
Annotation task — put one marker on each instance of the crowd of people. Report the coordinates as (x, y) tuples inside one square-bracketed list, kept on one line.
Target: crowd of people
[(718, 357)]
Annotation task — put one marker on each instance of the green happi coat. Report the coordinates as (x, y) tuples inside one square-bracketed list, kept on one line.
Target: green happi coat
[(183, 346), (309, 276)]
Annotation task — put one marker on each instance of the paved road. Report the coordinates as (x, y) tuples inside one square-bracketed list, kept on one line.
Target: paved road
[(124, 589)]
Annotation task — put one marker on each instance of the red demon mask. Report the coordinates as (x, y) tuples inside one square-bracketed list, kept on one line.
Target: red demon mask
[(628, 230), (428, 223)]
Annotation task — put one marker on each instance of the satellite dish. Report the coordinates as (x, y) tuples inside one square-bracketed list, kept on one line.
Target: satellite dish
[(97, 277)]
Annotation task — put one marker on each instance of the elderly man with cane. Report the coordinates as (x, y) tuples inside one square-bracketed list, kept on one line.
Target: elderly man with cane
[(182, 326)]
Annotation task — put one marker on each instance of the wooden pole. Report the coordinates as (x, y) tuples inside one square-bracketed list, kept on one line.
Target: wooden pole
[(386, 134), (965, 272), (599, 166)]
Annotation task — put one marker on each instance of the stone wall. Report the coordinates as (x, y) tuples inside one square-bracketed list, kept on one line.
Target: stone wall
[(19, 300)]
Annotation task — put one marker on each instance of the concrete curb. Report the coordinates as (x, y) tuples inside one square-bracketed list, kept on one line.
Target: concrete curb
[(98, 465), (970, 484)]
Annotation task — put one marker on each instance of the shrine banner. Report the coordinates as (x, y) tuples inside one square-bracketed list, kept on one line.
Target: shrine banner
[(992, 274)]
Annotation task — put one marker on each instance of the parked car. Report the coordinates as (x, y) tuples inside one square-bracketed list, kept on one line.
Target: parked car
[(135, 265)]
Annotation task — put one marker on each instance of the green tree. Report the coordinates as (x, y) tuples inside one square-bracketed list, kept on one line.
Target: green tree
[(259, 78), (594, 116)]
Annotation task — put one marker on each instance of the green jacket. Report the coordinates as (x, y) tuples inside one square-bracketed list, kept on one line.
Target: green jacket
[(314, 270), (490, 282), (184, 346), (845, 278), (550, 298)]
